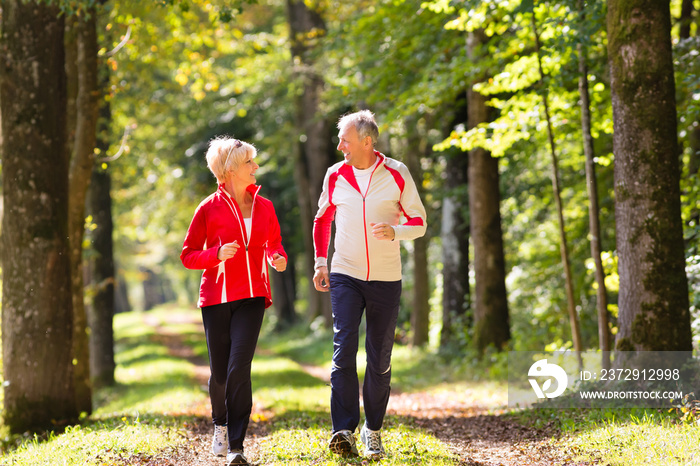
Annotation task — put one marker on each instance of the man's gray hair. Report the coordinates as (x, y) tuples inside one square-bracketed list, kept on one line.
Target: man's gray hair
[(364, 123)]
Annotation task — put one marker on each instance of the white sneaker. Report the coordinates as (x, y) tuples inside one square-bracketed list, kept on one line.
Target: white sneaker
[(236, 457), (372, 439), (343, 443), (219, 444)]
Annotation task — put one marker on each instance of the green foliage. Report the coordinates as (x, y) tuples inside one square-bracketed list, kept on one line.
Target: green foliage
[(195, 69), (72, 7), (509, 76)]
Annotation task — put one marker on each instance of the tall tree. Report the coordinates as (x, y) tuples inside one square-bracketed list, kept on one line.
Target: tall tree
[(420, 313), (491, 318), (37, 321), (82, 139), (692, 127), (454, 232), (592, 184), (563, 245), (100, 309), (314, 148), (653, 300), (686, 18)]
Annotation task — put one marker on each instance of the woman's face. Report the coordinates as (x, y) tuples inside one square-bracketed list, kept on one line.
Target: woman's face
[(245, 172)]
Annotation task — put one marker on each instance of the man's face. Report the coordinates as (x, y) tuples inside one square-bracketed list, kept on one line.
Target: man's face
[(350, 144)]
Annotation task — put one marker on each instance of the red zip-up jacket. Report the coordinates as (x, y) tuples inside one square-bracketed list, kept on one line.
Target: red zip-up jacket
[(218, 220)]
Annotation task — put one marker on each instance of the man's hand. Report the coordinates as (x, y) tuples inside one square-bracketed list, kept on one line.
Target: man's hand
[(321, 279), (279, 262), (227, 251), (383, 231)]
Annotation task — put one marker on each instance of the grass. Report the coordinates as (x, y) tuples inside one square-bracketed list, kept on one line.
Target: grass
[(641, 441), (306, 443), (156, 399), (621, 437), (146, 411), (301, 425)]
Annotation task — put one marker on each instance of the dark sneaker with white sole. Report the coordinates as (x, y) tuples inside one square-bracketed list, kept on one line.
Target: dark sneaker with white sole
[(343, 443), (236, 458)]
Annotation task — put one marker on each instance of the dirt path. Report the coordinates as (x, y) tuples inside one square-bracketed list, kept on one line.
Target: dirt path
[(475, 436)]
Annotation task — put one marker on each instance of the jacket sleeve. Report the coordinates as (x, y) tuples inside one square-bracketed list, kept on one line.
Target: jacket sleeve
[(195, 253), (322, 224), (274, 238), (411, 208)]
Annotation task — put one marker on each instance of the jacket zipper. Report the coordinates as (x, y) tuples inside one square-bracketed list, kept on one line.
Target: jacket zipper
[(247, 256), (364, 220), (364, 215), (246, 238)]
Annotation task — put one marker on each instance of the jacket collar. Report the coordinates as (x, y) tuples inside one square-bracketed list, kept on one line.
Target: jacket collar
[(347, 172), (252, 189)]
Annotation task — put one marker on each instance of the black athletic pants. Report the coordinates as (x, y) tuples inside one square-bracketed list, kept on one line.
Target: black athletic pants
[(232, 331)]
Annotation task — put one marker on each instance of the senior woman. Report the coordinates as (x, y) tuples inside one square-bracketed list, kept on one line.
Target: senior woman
[(233, 233)]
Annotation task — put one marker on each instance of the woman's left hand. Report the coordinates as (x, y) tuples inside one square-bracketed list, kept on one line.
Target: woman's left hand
[(279, 262)]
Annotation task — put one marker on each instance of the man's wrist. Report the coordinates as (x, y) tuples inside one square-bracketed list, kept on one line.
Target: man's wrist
[(320, 262)]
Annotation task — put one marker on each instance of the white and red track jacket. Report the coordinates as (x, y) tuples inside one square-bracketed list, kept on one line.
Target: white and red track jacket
[(391, 193), (218, 220)]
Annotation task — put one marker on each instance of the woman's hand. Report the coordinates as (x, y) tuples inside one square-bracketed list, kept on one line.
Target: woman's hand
[(279, 262), (227, 251)]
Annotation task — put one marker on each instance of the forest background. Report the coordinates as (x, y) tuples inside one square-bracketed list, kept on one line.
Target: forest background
[(482, 100)]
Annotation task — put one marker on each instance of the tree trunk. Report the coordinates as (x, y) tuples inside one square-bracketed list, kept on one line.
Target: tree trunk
[(653, 297), (686, 18), (102, 276), (420, 314), (121, 294), (283, 291), (593, 210), (454, 231), (80, 171), (455, 251), (314, 152), (37, 320), (491, 318), (563, 247), (101, 309)]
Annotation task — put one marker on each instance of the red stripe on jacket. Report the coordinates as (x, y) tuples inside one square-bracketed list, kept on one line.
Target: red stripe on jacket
[(391, 194)]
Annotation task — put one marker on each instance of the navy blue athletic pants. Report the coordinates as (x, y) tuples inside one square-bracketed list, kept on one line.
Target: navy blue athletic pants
[(232, 331), (350, 298)]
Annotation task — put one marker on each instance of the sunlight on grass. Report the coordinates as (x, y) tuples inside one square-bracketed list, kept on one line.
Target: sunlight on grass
[(300, 344), (301, 424), (149, 380), (136, 416), (641, 442), (308, 444), (281, 385), (96, 444)]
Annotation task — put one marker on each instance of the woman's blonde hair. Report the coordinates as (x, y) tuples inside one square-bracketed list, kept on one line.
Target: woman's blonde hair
[(225, 154)]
